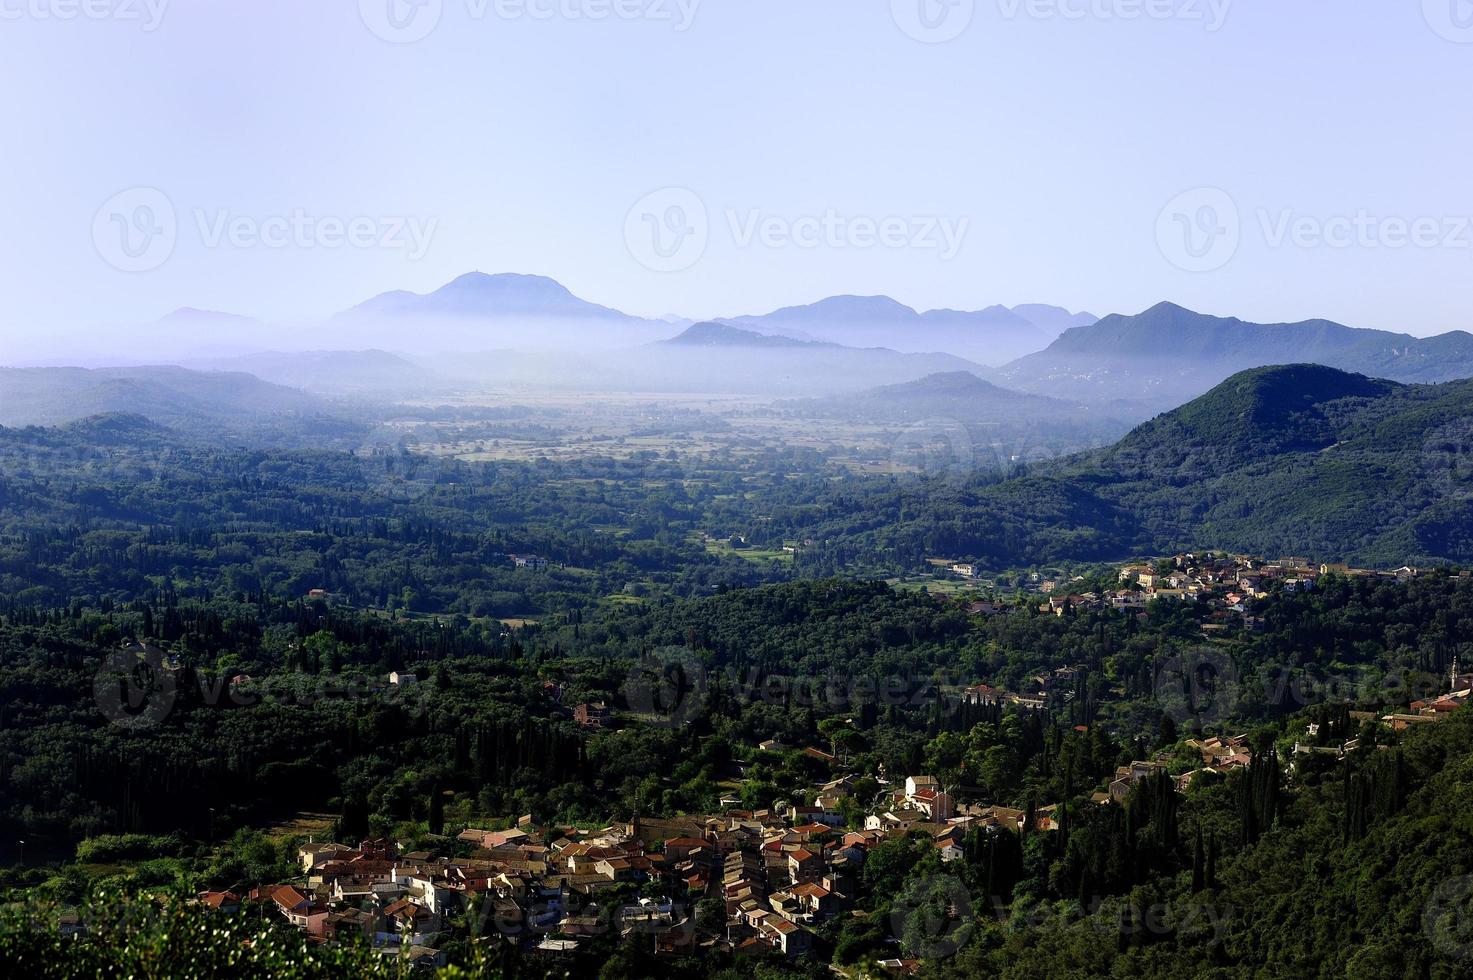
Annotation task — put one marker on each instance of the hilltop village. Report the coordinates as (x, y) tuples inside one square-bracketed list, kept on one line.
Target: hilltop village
[(762, 881)]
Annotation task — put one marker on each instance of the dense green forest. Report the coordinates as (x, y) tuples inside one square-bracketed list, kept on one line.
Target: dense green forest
[(117, 507), (198, 759), (197, 639), (1357, 867), (1301, 460), (315, 727)]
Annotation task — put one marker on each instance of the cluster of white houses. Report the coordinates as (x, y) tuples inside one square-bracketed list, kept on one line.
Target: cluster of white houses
[(1228, 583), (777, 873)]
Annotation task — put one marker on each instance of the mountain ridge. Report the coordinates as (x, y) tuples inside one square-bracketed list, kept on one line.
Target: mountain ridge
[(713, 333), (332, 372), (480, 294), (992, 335), (1168, 355), (191, 401)]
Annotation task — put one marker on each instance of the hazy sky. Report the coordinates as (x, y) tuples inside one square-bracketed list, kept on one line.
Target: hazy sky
[(226, 151)]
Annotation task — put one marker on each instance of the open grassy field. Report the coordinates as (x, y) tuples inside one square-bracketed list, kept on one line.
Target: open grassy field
[(302, 824), (553, 426), (750, 554), (940, 585)]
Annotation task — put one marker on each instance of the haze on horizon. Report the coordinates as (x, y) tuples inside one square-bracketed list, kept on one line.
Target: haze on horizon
[(313, 156)]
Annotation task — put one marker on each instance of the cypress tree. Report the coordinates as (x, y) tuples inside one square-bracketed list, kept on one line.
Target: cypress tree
[(437, 810), (1197, 863)]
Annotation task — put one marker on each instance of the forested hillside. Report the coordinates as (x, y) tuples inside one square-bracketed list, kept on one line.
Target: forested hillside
[(1313, 866), (115, 506), (1288, 460), (198, 644), (1362, 868), (1293, 460)]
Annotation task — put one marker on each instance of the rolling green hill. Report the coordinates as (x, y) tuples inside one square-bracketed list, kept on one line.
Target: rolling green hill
[(1300, 459)]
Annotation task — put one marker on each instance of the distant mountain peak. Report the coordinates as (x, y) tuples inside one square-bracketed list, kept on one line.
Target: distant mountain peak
[(961, 386), (993, 318), (1168, 354), (882, 309), (190, 314), (993, 335), (1175, 316), (483, 294), (951, 381), (884, 306), (1168, 308), (714, 334), (504, 280)]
